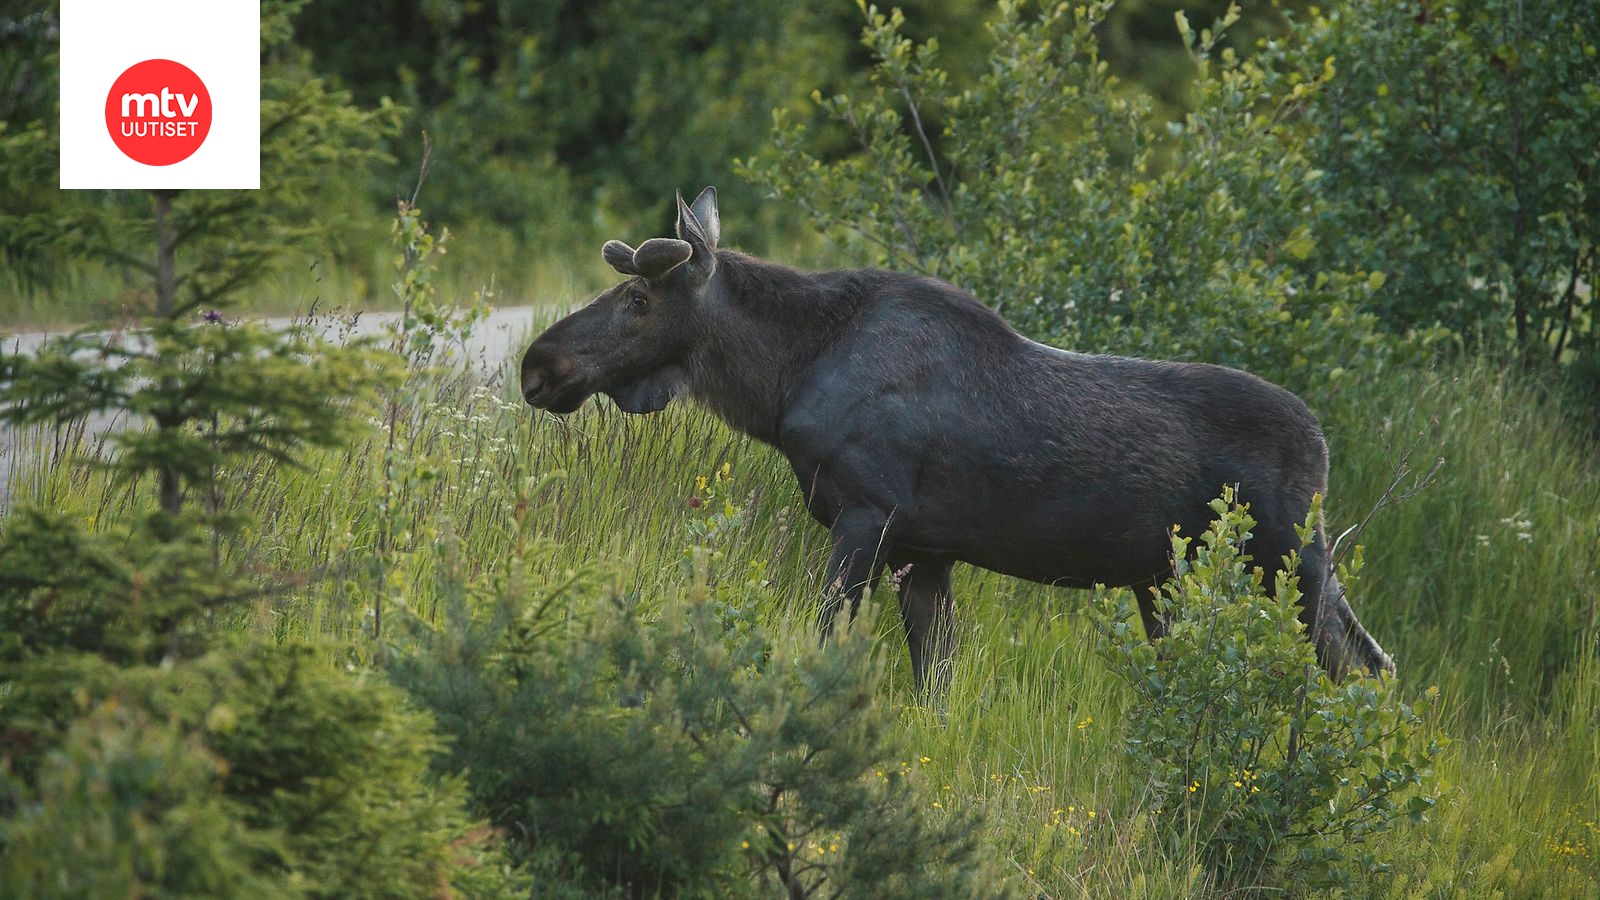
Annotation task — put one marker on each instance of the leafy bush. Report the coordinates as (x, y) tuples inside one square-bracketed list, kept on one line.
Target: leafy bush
[(1253, 751), (1058, 198), (666, 747), (1459, 152)]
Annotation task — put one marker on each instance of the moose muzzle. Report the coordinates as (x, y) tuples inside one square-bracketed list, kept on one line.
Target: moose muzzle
[(550, 379)]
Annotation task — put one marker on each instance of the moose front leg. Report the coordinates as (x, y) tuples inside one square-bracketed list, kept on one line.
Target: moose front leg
[(858, 539)]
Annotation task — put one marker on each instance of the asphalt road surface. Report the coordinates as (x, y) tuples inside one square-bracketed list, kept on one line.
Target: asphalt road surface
[(494, 344)]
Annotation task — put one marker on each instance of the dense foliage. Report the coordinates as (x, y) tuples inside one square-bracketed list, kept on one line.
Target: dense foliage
[(1062, 201), (1459, 152), (1286, 168), (537, 109), (1276, 772), (654, 747), (250, 769)]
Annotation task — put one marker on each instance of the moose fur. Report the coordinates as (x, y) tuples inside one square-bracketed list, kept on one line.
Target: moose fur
[(923, 430)]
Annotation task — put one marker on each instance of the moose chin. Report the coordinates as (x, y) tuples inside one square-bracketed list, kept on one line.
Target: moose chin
[(924, 430)]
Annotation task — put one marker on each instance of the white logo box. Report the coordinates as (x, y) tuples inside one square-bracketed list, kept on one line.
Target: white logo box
[(220, 40)]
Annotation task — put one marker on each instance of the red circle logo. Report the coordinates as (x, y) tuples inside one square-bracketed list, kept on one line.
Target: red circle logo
[(158, 112)]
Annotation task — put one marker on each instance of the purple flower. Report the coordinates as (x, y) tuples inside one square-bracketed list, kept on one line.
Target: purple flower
[(213, 317)]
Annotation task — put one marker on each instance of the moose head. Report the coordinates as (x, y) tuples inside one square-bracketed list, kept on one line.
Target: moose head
[(631, 342)]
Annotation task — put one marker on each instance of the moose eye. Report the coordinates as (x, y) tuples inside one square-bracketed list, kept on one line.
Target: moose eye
[(638, 301)]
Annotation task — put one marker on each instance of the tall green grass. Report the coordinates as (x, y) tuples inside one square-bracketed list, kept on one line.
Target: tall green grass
[(1485, 580), (1482, 584)]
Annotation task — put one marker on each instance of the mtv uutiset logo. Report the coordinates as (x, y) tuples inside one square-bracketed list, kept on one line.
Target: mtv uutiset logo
[(160, 94), (158, 128)]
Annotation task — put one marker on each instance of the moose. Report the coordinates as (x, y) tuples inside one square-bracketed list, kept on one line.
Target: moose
[(924, 430)]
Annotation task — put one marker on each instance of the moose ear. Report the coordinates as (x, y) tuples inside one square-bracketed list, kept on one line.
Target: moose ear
[(688, 226), (619, 256), (704, 209), (691, 229), (658, 256)]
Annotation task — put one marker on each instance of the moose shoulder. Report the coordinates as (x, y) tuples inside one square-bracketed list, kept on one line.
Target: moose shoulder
[(924, 430)]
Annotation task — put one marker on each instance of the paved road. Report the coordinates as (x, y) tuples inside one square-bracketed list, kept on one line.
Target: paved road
[(494, 343)]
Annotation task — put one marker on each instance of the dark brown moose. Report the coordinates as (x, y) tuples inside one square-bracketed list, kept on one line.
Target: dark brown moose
[(924, 430)]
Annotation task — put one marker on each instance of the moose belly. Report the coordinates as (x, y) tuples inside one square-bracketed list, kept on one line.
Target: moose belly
[(1075, 536), (1115, 558)]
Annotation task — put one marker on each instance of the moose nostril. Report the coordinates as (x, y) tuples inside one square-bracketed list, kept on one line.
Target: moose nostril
[(531, 383)]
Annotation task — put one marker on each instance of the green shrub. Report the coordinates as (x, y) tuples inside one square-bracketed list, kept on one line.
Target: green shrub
[(146, 752), (1060, 199), (672, 747), (1256, 759), (1458, 148), (250, 771), (127, 807)]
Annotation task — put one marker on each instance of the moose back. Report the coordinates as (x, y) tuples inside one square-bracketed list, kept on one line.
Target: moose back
[(924, 430)]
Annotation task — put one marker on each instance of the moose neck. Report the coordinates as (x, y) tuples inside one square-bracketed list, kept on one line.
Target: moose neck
[(763, 331)]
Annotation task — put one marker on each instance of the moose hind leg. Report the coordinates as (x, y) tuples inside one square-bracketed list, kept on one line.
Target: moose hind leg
[(927, 607), (1148, 593)]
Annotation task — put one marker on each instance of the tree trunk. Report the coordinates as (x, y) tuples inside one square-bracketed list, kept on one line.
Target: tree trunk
[(166, 255), (166, 307)]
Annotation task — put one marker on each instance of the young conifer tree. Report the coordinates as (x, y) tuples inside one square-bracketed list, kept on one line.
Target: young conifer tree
[(150, 747)]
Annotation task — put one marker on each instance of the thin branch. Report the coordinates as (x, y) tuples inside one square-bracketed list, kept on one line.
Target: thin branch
[(1391, 494), (422, 169), (126, 259), (1570, 299), (910, 257), (927, 149)]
